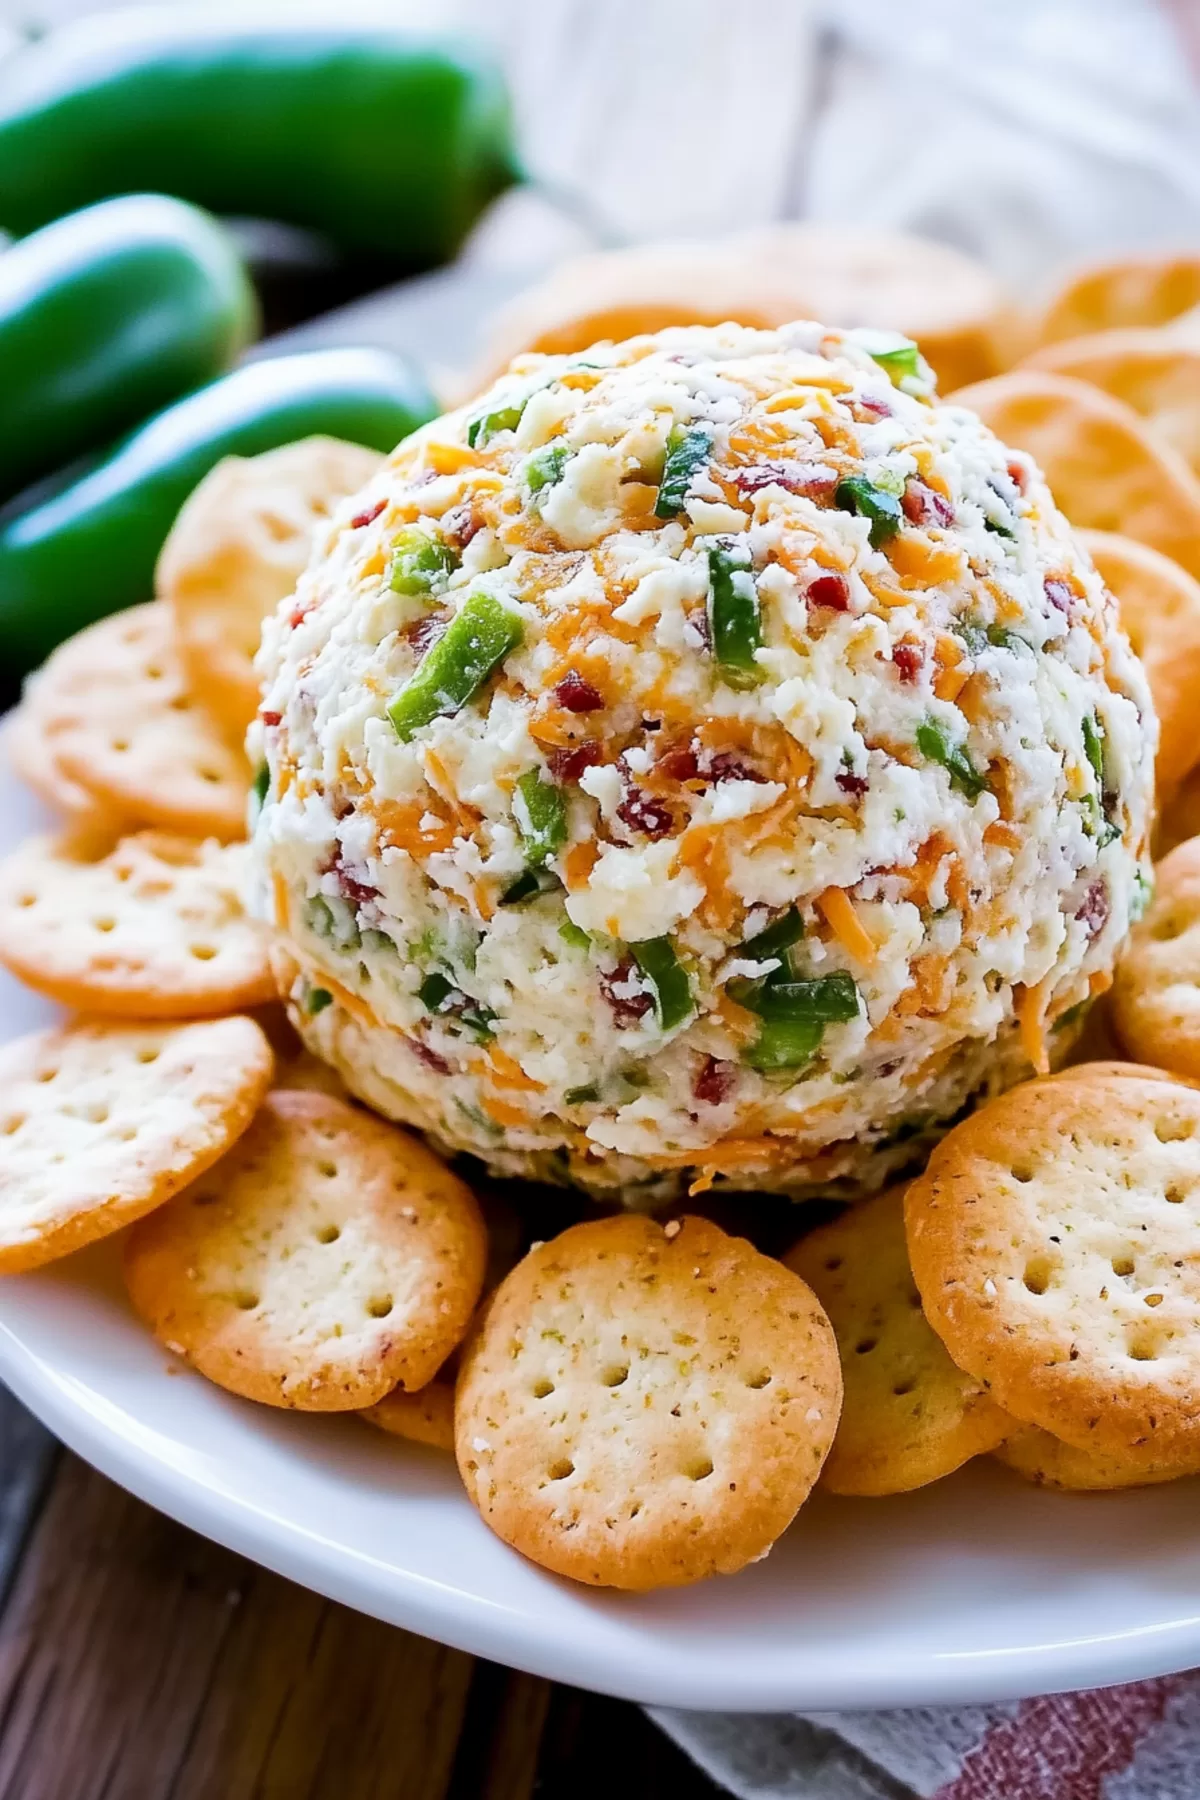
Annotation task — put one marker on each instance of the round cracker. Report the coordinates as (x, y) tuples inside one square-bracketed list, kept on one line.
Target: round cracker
[(1157, 375), (909, 1416), (1106, 471), (426, 1417), (643, 1406), (1156, 994), (843, 275), (147, 926), (237, 549), (115, 711), (1048, 1462), (102, 1122), (1180, 817), (1149, 289), (329, 1258), (31, 761), (1159, 603), (1055, 1241)]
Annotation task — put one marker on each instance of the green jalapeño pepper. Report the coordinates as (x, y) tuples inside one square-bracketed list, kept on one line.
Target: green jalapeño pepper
[(734, 616), (933, 742), (794, 1015), (855, 494), (84, 543), (384, 139), (455, 667), (107, 316), (687, 452), (672, 990), (541, 814), (421, 562)]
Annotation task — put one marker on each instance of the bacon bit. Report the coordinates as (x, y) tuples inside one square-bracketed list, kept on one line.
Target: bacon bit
[(423, 631), (680, 764), (810, 479), (578, 864), (368, 517), (429, 1056), (1094, 908), (1059, 594), (850, 783), (923, 505), (642, 812), (715, 1081), (909, 659), (503, 1112), (461, 524), (508, 1071), (271, 718), (568, 764), (1000, 833), (1018, 475), (361, 892), (627, 1008), (298, 615), (725, 766), (1030, 1005), (832, 591), (577, 695), (849, 930)]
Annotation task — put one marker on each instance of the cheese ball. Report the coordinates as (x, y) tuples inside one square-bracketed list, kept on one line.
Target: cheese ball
[(703, 759)]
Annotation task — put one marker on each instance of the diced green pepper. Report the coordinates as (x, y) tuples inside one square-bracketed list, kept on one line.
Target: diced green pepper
[(734, 615), (262, 783), (486, 425), (545, 468), (575, 935), (579, 1096), (656, 959), (933, 743), (1093, 745), (527, 884), (475, 642), (688, 449), (421, 562), (794, 1015), (870, 500), (435, 988), (777, 937), (318, 998), (900, 356), (541, 815)]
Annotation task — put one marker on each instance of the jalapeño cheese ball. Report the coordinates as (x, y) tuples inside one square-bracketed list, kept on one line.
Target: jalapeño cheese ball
[(706, 758)]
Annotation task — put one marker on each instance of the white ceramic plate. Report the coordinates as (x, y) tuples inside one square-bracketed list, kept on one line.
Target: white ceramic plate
[(977, 1589)]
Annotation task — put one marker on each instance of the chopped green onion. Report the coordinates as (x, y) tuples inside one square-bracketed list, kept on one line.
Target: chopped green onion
[(579, 1096), (317, 1000), (262, 783), (528, 883), (435, 988), (575, 935), (438, 994), (334, 920), (777, 937), (667, 976), (900, 356), (1093, 745), (1142, 895), (688, 449), (794, 1015), (870, 500), (486, 425), (933, 743), (541, 815), (421, 562), (545, 468), (475, 642), (1004, 531), (734, 616)]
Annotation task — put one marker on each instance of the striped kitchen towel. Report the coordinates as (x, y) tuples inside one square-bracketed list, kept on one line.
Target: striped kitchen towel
[(1140, 1742)]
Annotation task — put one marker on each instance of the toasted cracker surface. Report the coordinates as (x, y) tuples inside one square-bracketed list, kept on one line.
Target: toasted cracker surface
[(1156, 993), (101, 1122), (426, 1417), (149, 925), (1055, 1241), (329, 1258), (119, 721), (237, 549), (1149, 289), (1147, 369), (642, 1406), (909, 1416), (1048, 1462), (1106, 470)]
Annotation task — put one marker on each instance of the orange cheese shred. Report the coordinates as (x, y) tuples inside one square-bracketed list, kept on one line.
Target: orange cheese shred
[(1030, 1005), (508, 1071), (838, 909)]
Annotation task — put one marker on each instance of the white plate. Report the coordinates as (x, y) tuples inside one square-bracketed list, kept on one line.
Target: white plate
[(977, 1589)]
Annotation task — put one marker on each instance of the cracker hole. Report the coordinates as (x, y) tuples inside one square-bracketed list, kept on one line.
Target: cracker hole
[(148, 1055), (865, 1346), (700, 1470), (1142, 1349), (212, 776), (47, 1074), (128, 1134), (904, 1387), (760, 1379), (1154, 1299), (202, 952), (245, 1299), (833, 1264), (614, 1376), (635, 1509), (1021, 1172), (328, 1169), (1171, 1131), (154, 672), (26, 899), (13, 1124), (380, 1306), (1122, 1265), (1039, 1272), (1168, 928), (558, 1471), (542, 1388), (1175, 1193), (329, 1234), (119, 744), (104, 924)]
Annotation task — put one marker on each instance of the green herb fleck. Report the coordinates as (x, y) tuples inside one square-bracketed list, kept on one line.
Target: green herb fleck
[(317, 1000), (262, 783)]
